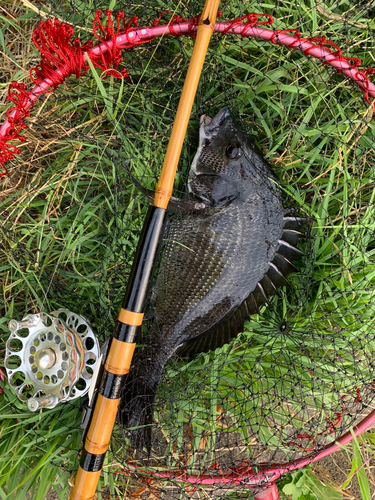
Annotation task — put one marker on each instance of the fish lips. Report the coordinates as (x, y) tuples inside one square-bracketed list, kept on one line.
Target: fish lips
[(210, 126)]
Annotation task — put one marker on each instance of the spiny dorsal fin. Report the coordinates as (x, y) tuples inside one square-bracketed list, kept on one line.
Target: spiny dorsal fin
[(296, 223), (268, 286), (288, 250), (277, 277), (292, 236)]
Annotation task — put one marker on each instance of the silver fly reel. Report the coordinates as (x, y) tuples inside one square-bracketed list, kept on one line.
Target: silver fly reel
[(50, 358)]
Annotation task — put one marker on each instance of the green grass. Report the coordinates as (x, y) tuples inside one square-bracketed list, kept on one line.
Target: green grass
[(71, 219)]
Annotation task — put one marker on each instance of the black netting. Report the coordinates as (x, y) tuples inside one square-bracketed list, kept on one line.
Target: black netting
[(302, 372)]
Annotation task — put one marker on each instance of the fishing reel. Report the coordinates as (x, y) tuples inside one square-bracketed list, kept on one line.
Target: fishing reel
[(51, 358)]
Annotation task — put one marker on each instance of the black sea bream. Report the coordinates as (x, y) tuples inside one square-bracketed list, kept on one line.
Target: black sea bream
[(224, 255)]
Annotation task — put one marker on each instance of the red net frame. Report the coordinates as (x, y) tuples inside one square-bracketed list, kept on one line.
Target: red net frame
[(63, 55)]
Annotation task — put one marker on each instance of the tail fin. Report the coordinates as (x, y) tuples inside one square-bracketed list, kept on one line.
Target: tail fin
[(137, 414), (136, 409)]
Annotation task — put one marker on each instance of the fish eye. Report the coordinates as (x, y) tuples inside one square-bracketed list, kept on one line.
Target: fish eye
[(232, 151)]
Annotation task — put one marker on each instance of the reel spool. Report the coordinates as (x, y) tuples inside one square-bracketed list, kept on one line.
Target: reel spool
[(50, 358)]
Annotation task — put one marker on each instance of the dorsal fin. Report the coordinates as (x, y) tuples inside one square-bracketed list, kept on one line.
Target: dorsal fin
[(292, 236), (288, 250), (268, 286)]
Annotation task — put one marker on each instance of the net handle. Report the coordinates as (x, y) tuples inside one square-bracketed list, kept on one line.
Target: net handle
[(122, 344)]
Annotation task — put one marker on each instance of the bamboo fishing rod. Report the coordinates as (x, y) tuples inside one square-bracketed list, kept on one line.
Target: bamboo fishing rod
[(119, 357)]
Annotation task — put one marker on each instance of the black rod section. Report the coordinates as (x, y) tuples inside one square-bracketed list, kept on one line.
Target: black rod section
[(145, 261)]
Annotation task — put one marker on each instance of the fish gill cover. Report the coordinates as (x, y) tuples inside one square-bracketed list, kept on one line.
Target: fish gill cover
[(301, 371)]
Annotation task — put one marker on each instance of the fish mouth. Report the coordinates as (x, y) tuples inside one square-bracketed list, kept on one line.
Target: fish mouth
[(210, 126)]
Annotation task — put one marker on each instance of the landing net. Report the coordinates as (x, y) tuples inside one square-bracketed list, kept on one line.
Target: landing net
[(302, 372)]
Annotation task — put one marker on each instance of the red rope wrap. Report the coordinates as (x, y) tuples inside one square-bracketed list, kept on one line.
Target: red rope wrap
[(176, 20), (252, 20), (20, 97), (112, 56), (62, 55)]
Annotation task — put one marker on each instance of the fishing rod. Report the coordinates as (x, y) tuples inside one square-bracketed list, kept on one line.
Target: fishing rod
[(122, 344)]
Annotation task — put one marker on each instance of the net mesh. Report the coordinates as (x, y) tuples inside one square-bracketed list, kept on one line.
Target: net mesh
[(302, 372)]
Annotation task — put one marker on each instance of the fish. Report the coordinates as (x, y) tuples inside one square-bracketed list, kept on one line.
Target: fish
[(229, 247)]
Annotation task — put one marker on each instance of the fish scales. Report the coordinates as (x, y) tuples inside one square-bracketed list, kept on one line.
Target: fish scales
[(212, 263), (228, 248)]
